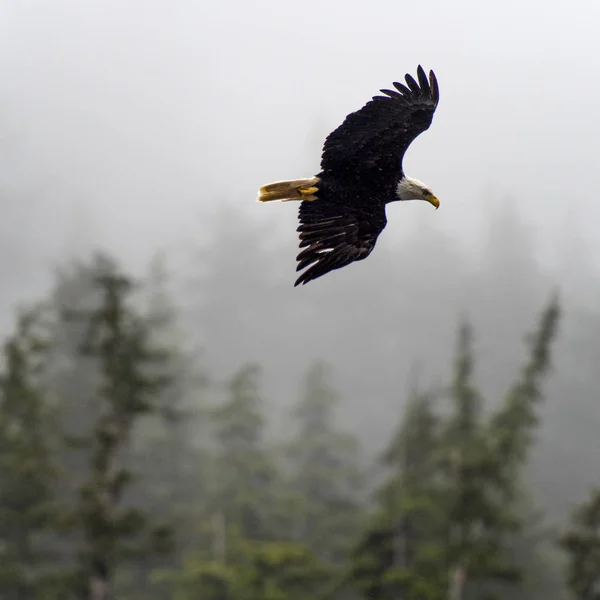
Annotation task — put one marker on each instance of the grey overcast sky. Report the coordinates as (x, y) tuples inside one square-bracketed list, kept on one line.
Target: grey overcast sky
[(132, 119)]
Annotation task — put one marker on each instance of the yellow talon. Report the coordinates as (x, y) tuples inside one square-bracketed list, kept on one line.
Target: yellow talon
[(309, 191)]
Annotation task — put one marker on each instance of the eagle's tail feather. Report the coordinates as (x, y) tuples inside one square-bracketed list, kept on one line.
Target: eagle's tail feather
[(294, 189)]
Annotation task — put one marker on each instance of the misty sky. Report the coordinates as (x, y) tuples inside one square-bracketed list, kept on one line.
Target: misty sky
[(123, 123), (127, 124)]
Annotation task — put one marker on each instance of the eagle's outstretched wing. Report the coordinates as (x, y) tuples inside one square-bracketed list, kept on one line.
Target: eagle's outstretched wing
[(334, 235), (376, 137)]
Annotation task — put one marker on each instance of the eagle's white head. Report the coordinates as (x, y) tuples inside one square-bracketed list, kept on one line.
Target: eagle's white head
[(413, 189)]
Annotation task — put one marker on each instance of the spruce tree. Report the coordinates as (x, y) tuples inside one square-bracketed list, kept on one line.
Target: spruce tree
[(513, 425), (324, 471), (450, 512), (484, 463), (131, 376), (402, 549), (170, 451), (476, 521), (245, 474), (28, 473)]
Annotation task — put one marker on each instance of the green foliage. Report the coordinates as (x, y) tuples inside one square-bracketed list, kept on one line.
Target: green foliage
[(167, 487), (131, 376), (27, 470), (279, 571), (202, 580), (169, 452), (245, 474), (477, 521), (324, 472), (400, 553), (264, 571), (582, 543), (514, 424), (449, 509)]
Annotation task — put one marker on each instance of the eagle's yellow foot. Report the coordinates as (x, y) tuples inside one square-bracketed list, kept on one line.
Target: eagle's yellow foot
[(308, 193)]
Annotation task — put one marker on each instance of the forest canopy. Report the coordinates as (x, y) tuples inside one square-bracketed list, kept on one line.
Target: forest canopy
[(135, 468)]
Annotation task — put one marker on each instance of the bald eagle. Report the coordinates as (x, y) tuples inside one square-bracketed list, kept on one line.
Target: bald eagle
[(342, 210)]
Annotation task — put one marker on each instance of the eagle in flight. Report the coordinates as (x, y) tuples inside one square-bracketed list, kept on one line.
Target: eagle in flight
[(342, 210)]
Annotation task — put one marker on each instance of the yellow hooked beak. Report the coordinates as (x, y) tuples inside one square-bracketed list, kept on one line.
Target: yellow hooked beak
[(433, 200)]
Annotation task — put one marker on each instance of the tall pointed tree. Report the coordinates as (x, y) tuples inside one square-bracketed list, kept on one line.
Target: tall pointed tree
[(131, 376), (402, 549), (170, 450), (324, 471), (28, 474), (476, 521), (243, 499), (484, 464), (464, 501), (512, 427)]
